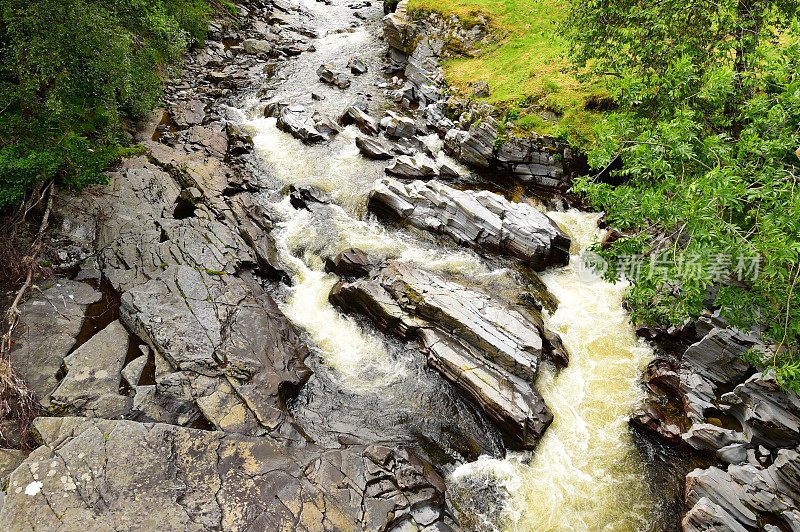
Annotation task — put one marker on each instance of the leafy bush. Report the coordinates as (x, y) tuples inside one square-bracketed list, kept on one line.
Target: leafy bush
[(706, 130), (71, 71)]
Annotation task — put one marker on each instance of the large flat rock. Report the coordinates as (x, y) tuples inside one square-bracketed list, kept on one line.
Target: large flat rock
[(94, 474), (91, 385), (482, 220), (51, 322)]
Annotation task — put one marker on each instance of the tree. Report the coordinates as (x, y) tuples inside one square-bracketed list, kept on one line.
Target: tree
[(70, 72), (706, 130)]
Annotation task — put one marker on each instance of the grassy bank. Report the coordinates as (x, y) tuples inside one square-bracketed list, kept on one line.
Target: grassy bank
[(526, 66)]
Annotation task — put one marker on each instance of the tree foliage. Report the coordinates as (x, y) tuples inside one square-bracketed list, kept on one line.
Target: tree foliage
[(71, 71), (706, 139)]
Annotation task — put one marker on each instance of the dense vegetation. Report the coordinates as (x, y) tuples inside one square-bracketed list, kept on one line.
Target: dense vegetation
[(699, 151), (705, 140), (71, 72)]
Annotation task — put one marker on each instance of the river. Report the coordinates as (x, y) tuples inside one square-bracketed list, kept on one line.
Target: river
[(587, 472)]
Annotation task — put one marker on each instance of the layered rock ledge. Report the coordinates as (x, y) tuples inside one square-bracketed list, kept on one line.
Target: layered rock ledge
[(482, 220), (741, 418), (485, 347)]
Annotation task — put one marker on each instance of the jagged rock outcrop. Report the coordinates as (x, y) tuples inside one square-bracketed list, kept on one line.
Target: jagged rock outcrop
[(413, 167), (534, 160), (93, 474), (186, 290), (745, 495), (769, 415), (398, 29), (483, 220), (372, 149), (738, 415), (486, 348)]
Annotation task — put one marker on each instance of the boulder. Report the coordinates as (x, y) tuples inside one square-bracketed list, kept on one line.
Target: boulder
[(485, 347), (302, 197), (398, 29), (483, 220), (325, 126), (416, 167), (95, 474), (288, 122), (355, 115), (257, 46), (349, 263), (327, 74), (357, 66), (372, 149), (397, 126)]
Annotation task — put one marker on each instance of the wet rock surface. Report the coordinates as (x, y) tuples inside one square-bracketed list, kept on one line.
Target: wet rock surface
[(483, 220), (487, 349)]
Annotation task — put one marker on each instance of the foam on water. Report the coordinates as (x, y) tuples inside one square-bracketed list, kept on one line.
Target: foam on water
[(586, 473)]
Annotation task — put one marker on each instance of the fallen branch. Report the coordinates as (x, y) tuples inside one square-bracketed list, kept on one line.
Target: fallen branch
[(12, 316)]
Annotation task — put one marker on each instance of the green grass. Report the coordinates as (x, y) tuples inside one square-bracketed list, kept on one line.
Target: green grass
[(525, 66)]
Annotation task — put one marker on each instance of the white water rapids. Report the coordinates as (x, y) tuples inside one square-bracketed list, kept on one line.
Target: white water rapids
[(586, 473)]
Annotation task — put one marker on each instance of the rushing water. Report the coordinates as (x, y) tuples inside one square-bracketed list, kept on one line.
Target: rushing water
[(586, 473)]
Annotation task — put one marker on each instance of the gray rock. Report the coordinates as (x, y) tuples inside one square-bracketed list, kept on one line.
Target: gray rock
[(708, 437), (187, 113), (289, 123), (257, 46), (96, 474), (477, 148), (132, 372), (372, 149), (482, 220), (302, 197), (327, 74), (416, 167), (355, 115), (325, 126), (357, 66), (91, 385), (349, 263), (48, 329), (397, 126), (398, 29), (486, 348)]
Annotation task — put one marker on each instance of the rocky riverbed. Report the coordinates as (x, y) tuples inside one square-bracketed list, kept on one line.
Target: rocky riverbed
[(313, 303)]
